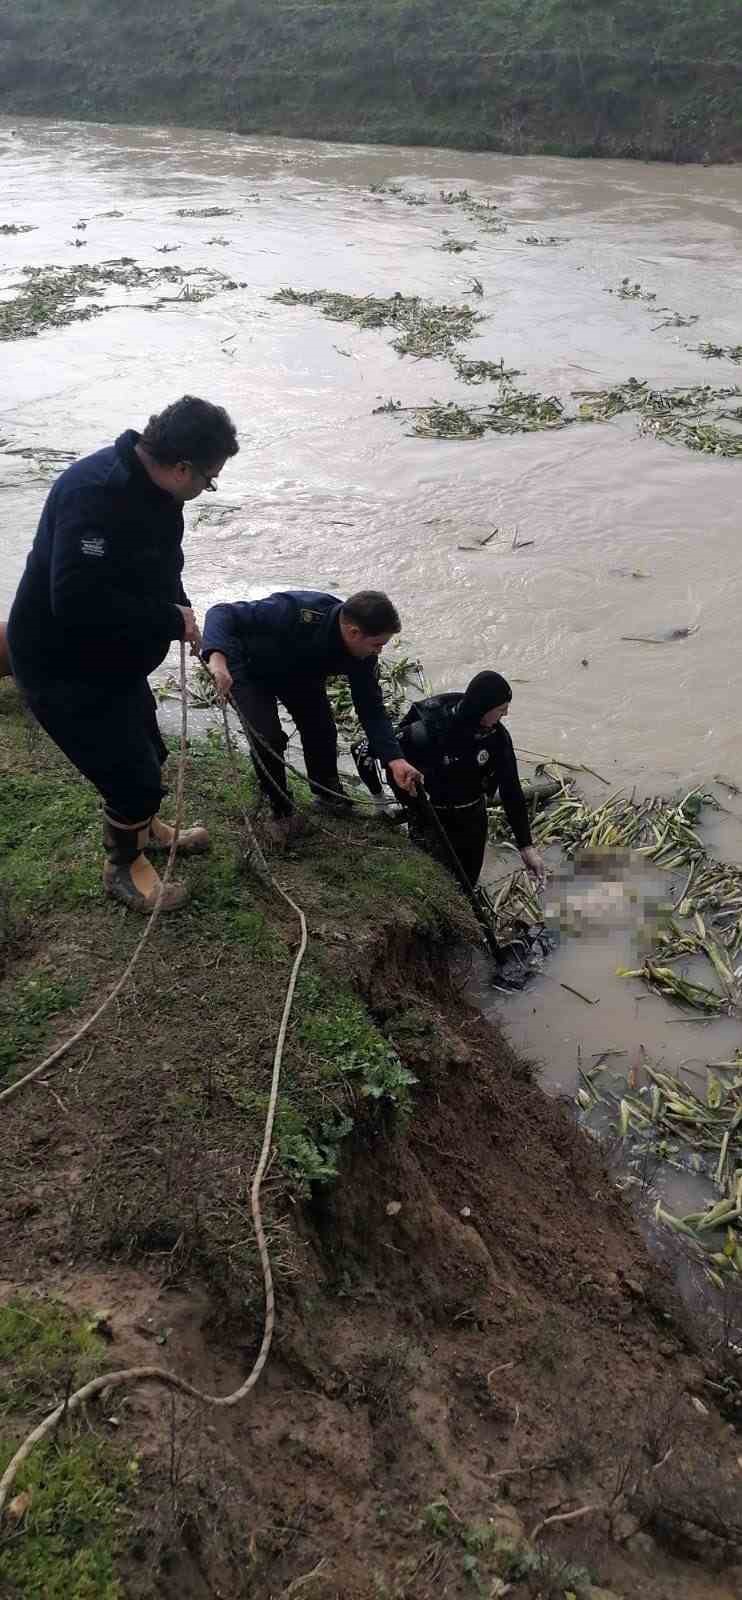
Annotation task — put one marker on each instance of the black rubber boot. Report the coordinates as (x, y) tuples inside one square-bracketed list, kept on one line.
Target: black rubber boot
[(128, 876)]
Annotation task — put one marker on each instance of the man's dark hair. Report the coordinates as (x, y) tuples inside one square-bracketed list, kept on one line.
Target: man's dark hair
[(372, 612), (190, 430)]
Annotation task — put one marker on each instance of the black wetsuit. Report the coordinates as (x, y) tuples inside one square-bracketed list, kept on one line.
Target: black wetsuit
[(462, 767)]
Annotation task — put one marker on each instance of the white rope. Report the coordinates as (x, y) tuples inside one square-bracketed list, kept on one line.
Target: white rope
[(132, 1375)]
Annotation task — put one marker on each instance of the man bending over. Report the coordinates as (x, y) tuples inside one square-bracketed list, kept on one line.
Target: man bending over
[(282, 650)]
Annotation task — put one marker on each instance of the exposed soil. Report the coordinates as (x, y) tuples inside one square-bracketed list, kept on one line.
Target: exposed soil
[(468, 1314)]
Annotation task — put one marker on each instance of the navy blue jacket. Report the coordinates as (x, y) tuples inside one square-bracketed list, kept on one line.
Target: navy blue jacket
[(296, 634), (102, 583), (460, 764)]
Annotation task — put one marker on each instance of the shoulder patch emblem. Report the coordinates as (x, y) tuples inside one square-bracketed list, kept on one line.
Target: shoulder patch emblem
[(310, 616), (93, 547), (482, 757)]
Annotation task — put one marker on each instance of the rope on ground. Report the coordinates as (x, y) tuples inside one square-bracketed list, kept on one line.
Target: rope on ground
[(133, 1375), (51, 1061)]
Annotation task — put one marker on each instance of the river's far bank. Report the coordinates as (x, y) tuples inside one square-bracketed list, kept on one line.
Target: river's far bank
[(471, 1338), (652, 84)]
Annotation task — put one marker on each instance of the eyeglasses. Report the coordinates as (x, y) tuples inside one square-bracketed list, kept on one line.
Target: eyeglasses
[(209, 482)]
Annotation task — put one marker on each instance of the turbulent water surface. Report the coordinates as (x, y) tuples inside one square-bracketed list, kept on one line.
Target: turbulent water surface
[(326, 494)]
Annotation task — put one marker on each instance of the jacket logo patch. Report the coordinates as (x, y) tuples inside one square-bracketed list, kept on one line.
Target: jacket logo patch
[(482, 758), (93, 547), (310, 616)]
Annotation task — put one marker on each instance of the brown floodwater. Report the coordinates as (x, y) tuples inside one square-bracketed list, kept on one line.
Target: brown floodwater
[(326, 494)]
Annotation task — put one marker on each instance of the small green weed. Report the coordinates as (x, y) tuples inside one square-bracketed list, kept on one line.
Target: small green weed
[(27, 1007)]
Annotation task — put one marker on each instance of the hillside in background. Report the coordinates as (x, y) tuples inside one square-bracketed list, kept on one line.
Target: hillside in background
[(658, 79)]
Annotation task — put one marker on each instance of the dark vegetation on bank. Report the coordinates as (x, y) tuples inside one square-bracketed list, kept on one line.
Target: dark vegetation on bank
[(470, 1336), (660, 79)]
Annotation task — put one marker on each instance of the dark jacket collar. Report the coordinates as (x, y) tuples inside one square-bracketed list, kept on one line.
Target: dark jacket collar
[(124, 447)]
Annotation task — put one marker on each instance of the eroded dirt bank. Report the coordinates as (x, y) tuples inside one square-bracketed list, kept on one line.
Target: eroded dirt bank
[(471, 1336)]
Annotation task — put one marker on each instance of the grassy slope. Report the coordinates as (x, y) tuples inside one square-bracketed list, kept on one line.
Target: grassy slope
[(662, 79), (411, 1332)]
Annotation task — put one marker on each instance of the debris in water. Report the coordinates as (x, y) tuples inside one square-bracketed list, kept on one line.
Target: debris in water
[(484, 371), (551, 239), (455, 247), (17, 227), (53, 297), (719, 352), (485, 212), (676, 320), (398, 192), (632, 291), (426, 329), (663, 636), (203, 211), (514, 412)]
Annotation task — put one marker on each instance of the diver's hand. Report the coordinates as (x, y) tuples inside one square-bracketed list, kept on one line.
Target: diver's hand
[(532, 860)]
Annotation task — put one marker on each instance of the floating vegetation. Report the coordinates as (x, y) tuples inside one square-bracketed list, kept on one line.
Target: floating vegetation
[(687, 416), (396, 678), (218, 239), (551, 239), (456, 247), (17, 227), (484, 371), (632, 291), (387, 407), (426, 329), (398, 191), (166, 249), (704, 436), (54, 297), (675, 320), (515, 412), (667, 1120), (476, 287), (485, 212), (109, 214), (720, 352), (200, 211)]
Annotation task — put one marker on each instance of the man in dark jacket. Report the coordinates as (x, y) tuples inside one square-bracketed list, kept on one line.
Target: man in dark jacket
[(466, 755), (283, 649), (98, 606)]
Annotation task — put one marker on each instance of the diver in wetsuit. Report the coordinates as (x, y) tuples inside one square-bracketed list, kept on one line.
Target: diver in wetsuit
[(465, 753)]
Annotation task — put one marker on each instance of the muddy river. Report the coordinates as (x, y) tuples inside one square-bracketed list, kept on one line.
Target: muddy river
[(617, 533)]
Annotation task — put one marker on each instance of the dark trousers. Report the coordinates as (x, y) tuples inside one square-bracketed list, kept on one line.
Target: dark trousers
[(466, 831), (110, 734), (309, 707)]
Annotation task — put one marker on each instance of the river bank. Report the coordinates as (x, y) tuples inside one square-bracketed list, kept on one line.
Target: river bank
[(659, 84), (471, 1337)]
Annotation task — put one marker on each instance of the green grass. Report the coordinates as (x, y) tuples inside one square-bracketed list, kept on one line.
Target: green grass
[(42, 1346), (27, 1008), (65, 1546)]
